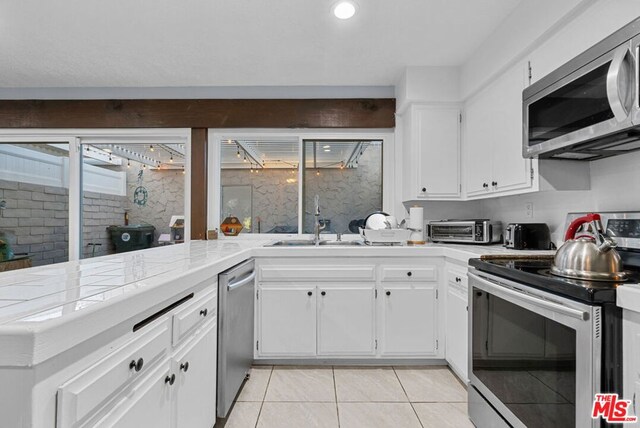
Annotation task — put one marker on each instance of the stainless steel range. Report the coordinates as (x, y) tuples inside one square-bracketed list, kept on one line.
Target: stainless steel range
[(541, 346)]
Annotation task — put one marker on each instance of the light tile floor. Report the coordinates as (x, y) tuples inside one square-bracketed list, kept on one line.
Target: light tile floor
[(351, 397)]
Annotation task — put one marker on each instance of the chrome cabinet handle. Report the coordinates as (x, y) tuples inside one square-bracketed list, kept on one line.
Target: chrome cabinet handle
[(618, 95)]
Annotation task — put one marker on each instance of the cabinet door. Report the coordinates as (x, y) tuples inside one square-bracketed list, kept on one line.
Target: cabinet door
[(456, 350), (477, 145), (147, 405), (346, 319), (195, 386), (437, 136), (287, 321), (510, 170), (409, 319)]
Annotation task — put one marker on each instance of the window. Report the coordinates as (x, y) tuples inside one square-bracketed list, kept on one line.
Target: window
[(34, 203), (347, 178), (61, 191), (133, 192), (261, 184)]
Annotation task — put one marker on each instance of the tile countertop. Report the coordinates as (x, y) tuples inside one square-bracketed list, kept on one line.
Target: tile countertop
[(628, 297), (38, 306)]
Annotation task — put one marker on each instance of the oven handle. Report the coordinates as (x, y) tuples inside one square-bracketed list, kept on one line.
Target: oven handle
[(613, 93), (545, 304)]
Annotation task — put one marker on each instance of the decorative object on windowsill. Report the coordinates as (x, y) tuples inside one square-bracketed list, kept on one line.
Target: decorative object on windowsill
[(231, 226), (212, 234), (176, 224)]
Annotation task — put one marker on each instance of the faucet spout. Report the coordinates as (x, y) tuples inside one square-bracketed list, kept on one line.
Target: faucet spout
[(317, 225)]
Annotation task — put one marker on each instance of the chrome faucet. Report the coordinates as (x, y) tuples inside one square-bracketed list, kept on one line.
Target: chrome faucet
[(317, 226)]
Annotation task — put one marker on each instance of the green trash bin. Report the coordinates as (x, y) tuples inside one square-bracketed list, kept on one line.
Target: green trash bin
[(132, 237)]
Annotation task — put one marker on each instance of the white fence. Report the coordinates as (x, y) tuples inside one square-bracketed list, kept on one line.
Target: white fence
[(29, 166)]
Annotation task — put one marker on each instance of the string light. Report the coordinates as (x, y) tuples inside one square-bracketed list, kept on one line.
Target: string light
[(251, 168), (245, 158), (183, 171), (128, 163), (171, 158), (238, 153), (342, 165), (317, 172), (151, 147)]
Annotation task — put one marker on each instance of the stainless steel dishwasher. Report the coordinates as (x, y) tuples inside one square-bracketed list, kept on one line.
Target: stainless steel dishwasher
[(236, 296)]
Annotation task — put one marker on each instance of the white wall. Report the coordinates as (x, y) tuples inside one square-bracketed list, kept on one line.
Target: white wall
[(527, 26), (428, 84)]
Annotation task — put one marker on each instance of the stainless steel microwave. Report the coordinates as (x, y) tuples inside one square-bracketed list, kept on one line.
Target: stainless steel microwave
[(588, 108)]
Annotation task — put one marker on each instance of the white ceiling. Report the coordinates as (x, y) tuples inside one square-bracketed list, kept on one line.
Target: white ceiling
[(169, 43)]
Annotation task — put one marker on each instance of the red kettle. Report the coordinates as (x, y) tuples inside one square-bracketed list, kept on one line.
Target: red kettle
[(588, 257), (592, 218)]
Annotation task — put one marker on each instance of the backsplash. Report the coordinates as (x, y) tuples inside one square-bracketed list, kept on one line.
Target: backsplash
[(615, 186)]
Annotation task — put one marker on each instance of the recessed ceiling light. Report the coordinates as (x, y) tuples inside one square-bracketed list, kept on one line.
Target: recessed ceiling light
[(345, 9), (327, 150), (326, 147)]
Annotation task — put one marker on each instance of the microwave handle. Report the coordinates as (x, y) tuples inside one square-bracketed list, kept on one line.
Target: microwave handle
[(637, 77), (613, 76)]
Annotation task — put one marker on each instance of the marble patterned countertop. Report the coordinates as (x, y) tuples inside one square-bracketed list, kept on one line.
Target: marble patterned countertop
[(44, 304)]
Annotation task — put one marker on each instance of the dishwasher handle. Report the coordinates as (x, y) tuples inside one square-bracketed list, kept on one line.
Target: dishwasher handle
[(242, 282)]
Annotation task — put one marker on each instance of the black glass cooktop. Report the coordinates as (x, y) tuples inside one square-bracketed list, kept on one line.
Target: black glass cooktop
[(535, 273)]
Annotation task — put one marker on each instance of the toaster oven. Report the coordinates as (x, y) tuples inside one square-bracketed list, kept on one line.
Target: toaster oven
[(465, 231)]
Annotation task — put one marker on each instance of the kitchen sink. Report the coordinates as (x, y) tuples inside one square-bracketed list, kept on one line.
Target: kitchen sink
[(306, 243), (342, 243), (292, 243)]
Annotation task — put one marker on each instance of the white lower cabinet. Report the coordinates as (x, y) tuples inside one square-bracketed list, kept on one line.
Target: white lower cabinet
[(147, 382), (195, 384), (387, 309), (148, 404), (457, 323), (346, 320), (287, 321), (409, 319)]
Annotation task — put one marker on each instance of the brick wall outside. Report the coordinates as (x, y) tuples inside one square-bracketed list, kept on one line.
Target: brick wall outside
[(36, 220)]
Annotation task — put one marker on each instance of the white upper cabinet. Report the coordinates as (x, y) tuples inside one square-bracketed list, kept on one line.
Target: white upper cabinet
[(431, 152), (492, 163)]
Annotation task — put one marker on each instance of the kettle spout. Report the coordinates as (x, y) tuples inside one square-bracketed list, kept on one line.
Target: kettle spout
[(605, 243)]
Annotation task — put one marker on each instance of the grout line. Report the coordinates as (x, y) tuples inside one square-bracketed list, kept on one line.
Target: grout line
[(408, 399), (335, 389), (263, 397)]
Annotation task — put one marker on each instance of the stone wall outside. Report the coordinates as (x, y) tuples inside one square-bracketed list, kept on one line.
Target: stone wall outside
[(36, 220)]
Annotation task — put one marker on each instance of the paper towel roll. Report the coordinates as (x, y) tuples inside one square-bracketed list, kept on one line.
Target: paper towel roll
[(416, 222)]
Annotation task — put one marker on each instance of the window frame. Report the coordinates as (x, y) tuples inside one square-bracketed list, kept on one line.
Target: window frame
[(74, 138), (216, 137)]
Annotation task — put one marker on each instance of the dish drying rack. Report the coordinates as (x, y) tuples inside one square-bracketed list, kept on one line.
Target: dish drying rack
[(387, 237)]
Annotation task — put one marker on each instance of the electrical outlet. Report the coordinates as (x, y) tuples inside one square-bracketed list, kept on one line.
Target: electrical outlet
[(528, 207)]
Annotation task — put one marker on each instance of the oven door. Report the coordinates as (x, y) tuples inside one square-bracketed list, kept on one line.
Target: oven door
[(594, 101), (534, 356)]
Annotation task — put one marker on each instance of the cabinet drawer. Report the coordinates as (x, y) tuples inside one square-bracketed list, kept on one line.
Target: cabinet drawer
[(317, 273), (193, 315), (84, 394), (409, 273), (457, 278)]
